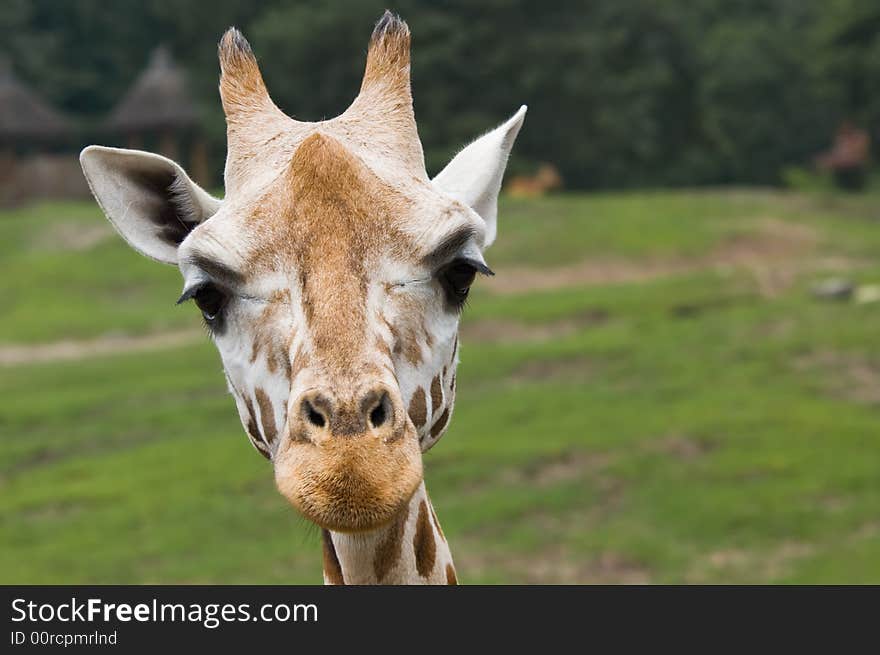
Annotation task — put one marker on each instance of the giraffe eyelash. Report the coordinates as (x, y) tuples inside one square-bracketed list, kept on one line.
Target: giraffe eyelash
[(190, 292), (419, 280)]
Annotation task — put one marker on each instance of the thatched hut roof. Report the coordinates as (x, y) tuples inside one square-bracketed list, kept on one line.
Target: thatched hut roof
[(159, 99), (23, 116)]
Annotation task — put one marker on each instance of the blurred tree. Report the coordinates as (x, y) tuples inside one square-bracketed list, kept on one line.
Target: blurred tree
[(620, 92), (761, 102), (851, 55)]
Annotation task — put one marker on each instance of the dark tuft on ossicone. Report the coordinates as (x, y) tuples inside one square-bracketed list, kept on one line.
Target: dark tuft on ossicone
[(389, 24), (241, 85), (233, 42)]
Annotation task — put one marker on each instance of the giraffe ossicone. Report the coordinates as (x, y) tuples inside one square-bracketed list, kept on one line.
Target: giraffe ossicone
[(331, 278)]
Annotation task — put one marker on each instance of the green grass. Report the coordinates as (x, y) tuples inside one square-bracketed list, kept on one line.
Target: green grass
[(687, 428), (53, 290)]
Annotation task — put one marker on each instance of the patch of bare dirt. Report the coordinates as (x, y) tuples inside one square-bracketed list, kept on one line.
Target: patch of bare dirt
[(680, 447), (774, 240), (866, 382), (556, 565), (748, 565), (573, 369), (776, 329), (567, 466), (768, 565), (73, 236), (496, 330), (849, 376), (61, 510), (595, 272), (774, 254), (71, 350), (549, 470), (834, 504), (780, 560), (607, 499)]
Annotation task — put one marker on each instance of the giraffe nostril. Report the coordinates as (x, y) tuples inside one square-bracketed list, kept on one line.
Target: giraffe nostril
[(379, 414), (312, 415)]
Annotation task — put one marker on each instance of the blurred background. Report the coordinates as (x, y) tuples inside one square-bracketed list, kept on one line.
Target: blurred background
[(674, 376)]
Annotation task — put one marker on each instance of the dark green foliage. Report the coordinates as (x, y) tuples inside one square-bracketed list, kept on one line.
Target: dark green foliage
[(622, 93)]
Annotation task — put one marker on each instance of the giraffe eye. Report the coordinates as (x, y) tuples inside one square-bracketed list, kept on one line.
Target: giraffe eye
[(211, 301), (456, 279)]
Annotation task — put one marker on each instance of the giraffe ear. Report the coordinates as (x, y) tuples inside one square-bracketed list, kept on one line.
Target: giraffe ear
[(474, 175), (149, 199)]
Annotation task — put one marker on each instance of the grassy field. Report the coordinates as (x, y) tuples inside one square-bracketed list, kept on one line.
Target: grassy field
[(648, 393)]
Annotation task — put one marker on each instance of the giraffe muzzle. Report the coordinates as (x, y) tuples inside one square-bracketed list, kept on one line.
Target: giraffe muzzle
[(349, 462), (319, 416)]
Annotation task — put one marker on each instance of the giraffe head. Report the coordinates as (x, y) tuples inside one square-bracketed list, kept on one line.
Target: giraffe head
[(331, 276)]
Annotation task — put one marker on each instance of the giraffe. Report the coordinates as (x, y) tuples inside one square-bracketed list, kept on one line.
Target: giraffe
[(331, 278)]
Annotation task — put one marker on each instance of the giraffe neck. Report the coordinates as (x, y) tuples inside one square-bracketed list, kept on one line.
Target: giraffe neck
[(410, 550)]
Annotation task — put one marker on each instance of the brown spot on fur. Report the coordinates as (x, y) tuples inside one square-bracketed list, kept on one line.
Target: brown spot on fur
[(408, 346), (450, 575), (266, 335), (252, 419), (383, 348), (437, 524), (408, 331), (423, 543), (395, 335), (253, 431), (436, 394), (450, 391), (332, 567), (388, 552), (418, 411), (261, 448), (267, 414), (300, 361), (440, 425)]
